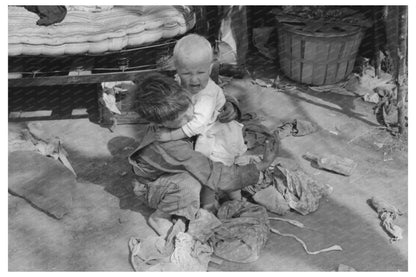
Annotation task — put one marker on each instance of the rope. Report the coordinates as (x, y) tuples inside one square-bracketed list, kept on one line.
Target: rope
[(332, 248)]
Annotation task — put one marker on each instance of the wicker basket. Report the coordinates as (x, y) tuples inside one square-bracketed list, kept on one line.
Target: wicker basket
[(318, 53)]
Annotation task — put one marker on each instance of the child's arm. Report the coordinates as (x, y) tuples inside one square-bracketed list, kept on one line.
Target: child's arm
[(168, 134), (204, 110)]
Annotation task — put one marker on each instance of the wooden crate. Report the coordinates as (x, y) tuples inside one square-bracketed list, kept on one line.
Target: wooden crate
[(318, 53)]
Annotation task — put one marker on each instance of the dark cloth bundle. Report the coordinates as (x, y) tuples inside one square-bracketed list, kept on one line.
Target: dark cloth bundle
[(48, 14)]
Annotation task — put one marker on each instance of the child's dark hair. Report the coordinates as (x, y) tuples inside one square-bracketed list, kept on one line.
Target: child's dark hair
[(159, 98)]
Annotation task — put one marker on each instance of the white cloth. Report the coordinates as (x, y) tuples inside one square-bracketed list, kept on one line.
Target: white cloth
[(221, 142)]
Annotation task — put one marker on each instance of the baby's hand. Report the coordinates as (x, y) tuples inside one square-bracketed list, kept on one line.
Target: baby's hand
[(163, 134)]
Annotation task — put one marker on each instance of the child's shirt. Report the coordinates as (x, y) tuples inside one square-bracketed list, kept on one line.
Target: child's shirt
[(207, 105)]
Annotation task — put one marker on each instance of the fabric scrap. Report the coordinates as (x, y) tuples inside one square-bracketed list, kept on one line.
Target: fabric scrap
[(156, 254), (285, 130), (189, 254), (272, 200), (202, 228), (303, 128), (150, 254), (30, 140), (297, 128), (255, 135), (110, 102), (243, 233), (301, 191), (388, 213), (332, 248)]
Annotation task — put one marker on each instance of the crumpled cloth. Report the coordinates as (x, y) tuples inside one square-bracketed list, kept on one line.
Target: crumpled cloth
[(272, 200), (202, 227), (255, 133), (30, 140), (297, 128), (190, 254), (155, 254), (243, 233), (388, 213), (300, 191)]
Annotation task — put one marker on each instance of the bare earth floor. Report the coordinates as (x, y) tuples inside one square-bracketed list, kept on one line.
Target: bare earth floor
[(105, 212)]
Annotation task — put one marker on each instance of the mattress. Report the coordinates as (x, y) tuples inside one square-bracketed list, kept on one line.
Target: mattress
[(94, 31)]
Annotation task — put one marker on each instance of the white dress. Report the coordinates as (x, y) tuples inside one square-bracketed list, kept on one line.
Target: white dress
[(221, 142)]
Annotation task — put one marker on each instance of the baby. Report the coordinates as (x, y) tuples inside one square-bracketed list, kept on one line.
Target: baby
[(221, 142)]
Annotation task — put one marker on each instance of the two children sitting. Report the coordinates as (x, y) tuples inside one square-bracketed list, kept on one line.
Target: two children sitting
[(220, 142)]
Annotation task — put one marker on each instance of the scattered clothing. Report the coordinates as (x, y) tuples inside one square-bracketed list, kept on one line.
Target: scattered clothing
[(297, 128), (149, 254), (272, 200), (190, 254), (202, 228), (48, 14), (179, 252), (255, 135), (243, 233), (34, 140), (388, 213), (299, 191)]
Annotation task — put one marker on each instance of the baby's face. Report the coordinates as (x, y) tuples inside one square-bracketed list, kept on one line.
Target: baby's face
[(182, 119), (194, 73)]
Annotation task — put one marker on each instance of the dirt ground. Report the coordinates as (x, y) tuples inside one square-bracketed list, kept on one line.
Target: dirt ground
[(105, 212)]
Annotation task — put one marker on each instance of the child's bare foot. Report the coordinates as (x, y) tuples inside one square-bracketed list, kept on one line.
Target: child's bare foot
[(160, 222)]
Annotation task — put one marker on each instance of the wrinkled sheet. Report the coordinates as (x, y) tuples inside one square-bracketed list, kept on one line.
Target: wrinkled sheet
[(243, 233), (156, 254), (292, 188)]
